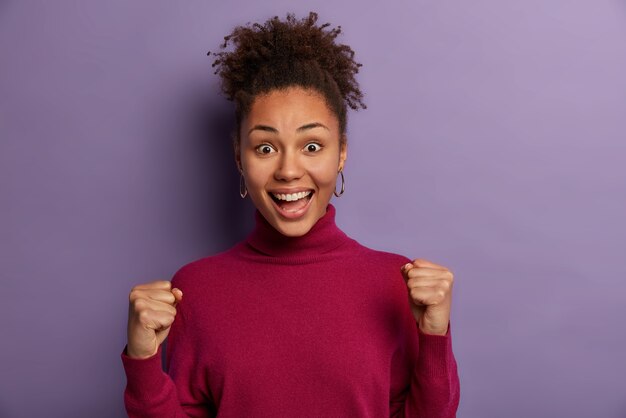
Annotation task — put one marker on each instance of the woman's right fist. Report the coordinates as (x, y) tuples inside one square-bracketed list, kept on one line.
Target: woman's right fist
[(151, 312)]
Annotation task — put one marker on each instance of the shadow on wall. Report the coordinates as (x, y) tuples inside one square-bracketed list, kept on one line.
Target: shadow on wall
[(226, 217), (222, 217)]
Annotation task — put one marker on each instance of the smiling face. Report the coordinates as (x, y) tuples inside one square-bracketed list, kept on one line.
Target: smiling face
[(290, 144)]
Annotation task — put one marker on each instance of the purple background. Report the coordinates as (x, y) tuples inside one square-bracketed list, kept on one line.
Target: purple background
[(494, 144)]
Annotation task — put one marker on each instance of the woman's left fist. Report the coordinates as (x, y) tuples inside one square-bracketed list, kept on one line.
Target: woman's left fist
[(430, 294)]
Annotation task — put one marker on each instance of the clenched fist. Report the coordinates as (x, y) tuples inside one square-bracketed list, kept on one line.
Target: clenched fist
[(151, 312), (430, 294)]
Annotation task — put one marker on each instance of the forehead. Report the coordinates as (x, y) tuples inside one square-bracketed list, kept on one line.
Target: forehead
[(289, 107)]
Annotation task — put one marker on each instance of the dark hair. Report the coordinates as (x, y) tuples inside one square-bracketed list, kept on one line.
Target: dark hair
[(280, 54)]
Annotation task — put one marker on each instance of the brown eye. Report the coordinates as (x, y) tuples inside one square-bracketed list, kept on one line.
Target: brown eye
[(264, 149), (311, 147)]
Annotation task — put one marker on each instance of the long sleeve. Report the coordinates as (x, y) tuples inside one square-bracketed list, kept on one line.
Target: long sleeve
[(248, 341), (152, 393), (434, 391)]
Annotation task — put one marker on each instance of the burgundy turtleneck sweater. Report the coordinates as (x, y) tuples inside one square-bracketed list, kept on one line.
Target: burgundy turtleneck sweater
[(311, 326)]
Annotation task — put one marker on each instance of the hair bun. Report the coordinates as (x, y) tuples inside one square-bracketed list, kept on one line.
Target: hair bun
[(262, 46)]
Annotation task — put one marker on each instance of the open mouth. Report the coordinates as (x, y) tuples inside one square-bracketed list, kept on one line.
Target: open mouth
[(296, 204)]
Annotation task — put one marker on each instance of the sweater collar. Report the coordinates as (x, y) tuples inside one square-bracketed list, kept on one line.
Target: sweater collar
[(323, 237)]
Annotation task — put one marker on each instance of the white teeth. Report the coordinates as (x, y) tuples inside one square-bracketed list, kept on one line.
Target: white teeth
[(291, 197)]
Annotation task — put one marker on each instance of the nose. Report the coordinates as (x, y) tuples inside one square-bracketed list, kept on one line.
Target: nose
[(289, 166)]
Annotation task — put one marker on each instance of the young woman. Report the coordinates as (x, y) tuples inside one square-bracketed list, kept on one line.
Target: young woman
[(298, 319)]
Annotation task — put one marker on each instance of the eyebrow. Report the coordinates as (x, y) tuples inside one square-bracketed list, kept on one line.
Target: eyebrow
[(300, 129)]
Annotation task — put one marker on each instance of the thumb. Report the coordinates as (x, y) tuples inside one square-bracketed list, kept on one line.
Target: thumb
[(405, 269), (178, 294)]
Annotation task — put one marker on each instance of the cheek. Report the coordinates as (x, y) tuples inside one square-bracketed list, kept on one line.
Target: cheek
[(257, 176), (325, 174)]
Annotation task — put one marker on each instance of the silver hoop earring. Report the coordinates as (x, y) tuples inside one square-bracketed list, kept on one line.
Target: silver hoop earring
[(245, 190), (343, 183)]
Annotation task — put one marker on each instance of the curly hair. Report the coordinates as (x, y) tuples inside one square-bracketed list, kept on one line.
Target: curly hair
[(280, 54)]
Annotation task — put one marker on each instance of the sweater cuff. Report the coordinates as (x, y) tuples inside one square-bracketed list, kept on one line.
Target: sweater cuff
[(435, 353), (144, 377)]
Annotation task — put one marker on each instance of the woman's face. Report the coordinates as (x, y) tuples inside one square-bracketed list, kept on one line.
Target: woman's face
[(290, 144)]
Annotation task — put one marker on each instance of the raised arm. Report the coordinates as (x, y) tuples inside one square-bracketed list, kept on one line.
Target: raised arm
[(150, 392), (434, 389)]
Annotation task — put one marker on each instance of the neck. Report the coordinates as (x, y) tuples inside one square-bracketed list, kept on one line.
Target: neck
[(323, 237)]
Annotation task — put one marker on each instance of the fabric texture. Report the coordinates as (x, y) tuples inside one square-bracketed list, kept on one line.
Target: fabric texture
[(311, 326)]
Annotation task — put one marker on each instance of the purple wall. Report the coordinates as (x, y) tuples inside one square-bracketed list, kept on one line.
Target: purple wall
[(494, 143)]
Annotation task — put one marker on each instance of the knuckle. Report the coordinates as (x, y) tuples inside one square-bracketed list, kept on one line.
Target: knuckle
[(159, 284), (140, 304), (144, 316)]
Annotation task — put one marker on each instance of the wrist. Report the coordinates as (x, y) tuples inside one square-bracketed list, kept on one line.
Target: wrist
[(139, 356), (432, 330)]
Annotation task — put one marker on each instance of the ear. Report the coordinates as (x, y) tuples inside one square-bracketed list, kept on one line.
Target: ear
[(343, 152)]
